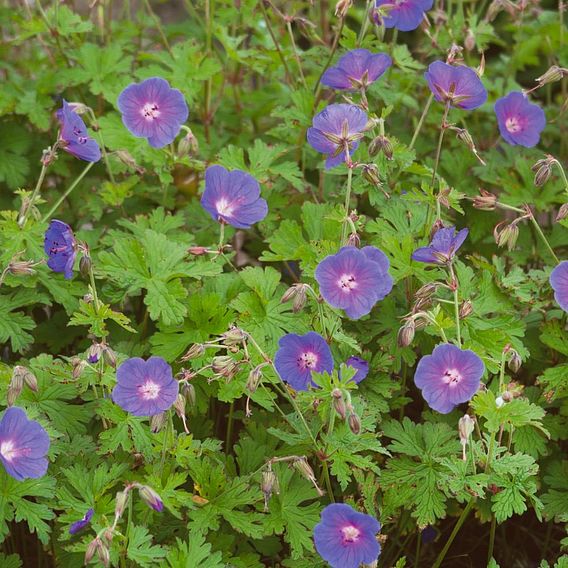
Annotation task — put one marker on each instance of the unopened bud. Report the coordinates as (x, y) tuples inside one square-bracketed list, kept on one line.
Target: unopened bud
[(108, 535), (342, 7), (268, 486), (94, 353), (426, 291), (339, 403), (499, 402), (543, 174), (127, 159), (224, 365), (371, 174), (466, 309), (91, 550), (299, 300), (381, 144), (514, 360), (466, 425), (188, 391), (85, 265), (469, 42), (109, 356), (562, 212), (507, 236), (120, 502), (234, 336), (302, 465), (16, 384), (254, 378), (151, 497), (157, 422), (21, 267), (77, 367), (354, 422), (103, 554), (195, 351), (507, 396), (289, 294), (354, 240), (188, 145), (197, 251), (406, 333), (553, 74), (485, 201)]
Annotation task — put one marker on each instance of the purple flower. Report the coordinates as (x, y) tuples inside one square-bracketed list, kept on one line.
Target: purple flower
[(233, 197), (336, 128), (23, 445), (74, 138), (346, 538), (60, 246), (445, 243), (151, 497), (153, 110), (459, 85), (428, 534), (79, 525), (448, 377), (404, 15), (354, 279), (145, 388), (357, 69), (559, 283), (520, 122), (360, 365), (299, 355)]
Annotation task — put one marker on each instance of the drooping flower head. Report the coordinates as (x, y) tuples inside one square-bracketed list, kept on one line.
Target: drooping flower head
[(233, 197), (520, 121), (346, 538), (360, 365), (404, 15), (559, 283), (74, 138), (336, 128), (299, 355), (357, 69), (456, 84), (354, 279), (153, 110), (61, 247), (79, 525), (145, 388), (445, 243), (23, 445), (448, 377)]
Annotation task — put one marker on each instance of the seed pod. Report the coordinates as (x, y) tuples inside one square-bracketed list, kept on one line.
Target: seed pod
[(406, 333), (195, 351), (466, 309), (339, 403), (157, 422), (151, 497), (354, 422)]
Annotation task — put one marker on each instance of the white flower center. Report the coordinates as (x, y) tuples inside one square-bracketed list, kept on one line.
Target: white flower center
[(452, 377), (307, 360), (8, 451), (347, 282), (149, 390), (512, 124), (350, 533), (224, 208), (150, 111)]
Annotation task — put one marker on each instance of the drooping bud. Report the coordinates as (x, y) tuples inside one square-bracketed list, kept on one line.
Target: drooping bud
[(188, 391), (562, 212), (302, 465), (127, 159), (91, 550), (506, 236), (254, 378), (188, 145), (195, 351), (371, 174), (342, 7), (381, 144), (151, 497), (466, 309), (16, 384), (553, 74), (354, 422), (103, 554), (157, 422), (354, 240), (300, 299), (22, 267), (543, 172), (515, 360), (406, 333), (120, 502), (94, 353), (485, 201), (85, 265), (224, 366), (234, 336), (109, 356), (268, 486), (466, 424), (469, 42), (339, 403), (77, 367), (507, 396), (289, 294), (197, 251), (426, 291)]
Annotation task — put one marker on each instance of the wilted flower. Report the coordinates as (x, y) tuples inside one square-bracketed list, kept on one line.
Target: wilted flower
[(346, 538), (74, 137), (356, 69), (23, 445), (153, 110), (79, 525), (360, 365), (299, 355), (404, 15), (445, 243), (448, 377), (354, 279), (520, 121), (145, 388), (337, 128), (61, 248), (458, 85), (233, 197), (559, 283)]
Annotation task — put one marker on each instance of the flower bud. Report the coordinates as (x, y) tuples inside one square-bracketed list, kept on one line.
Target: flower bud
[(302, 465), (466, 309), (543, 174), (234, 336), (354, 240), (507, 396), (486, 201), (188, 145), (426, 291), (254, 379), (342, 7), (103, 554), (188, 391), (514, 360), (300, 300), (151, 497), (120, 502), (499, 402), (16, 384), (371, 174), (127, 159), (466, 425), (195, 351), (85, 265), (91, 550), (94, 353), (268, 486), (339, 403), (381, 144), (223, 365), (78, 365), (562, 212), (109, 356), (469, 42), (179, 405), (21, 267), (197, 251), (157, 422), (289, 294), (507, 236), (406, 333), (354, 422), (553, 74)]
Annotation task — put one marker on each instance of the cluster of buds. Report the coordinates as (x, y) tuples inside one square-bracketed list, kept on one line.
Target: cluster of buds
[(506, 234), (345, 410), (485, 201), (543, 170), (21, 376), (99, 547), (466, 425), (224, 366), (381, 144), (297, 293), (464, 136)]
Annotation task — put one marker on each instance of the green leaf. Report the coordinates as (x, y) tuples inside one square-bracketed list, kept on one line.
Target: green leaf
[(195, 553), (140, 548)]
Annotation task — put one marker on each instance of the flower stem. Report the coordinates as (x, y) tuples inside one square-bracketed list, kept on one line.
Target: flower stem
[(491, 538), (455, 286), (289, 75), (502, 371), (438, 154), (208, 83), (94, 289), (66, 194), (34, 196), (365, 23), (347, 200), (295, 49), (329, 60), (159, 27), (457, 528), (421, 121), (102, 144), (221, 237), (542, 236)]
